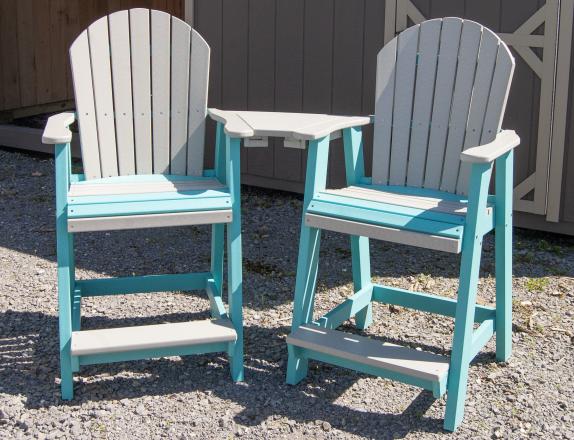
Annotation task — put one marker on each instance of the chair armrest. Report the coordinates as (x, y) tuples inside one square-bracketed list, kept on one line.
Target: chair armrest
[(505, 141), (57, 129), (233, 125)]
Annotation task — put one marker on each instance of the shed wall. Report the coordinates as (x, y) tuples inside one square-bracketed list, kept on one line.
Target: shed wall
[(319, 56), (34, 40)]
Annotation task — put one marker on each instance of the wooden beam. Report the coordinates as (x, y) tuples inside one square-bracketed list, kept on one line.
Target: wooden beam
[(27, 138)]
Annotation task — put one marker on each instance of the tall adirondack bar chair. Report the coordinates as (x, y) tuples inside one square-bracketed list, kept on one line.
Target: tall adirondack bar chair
[(140, 81), (441, 92)]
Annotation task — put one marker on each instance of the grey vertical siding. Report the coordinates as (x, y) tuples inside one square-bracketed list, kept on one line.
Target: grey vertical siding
[(315, 56), (568, 176), (319, 56)]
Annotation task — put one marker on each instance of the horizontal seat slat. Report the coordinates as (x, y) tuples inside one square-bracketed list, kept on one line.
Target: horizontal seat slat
[(388, 219), (125, 339), (148, 207), (150, 196), (393, 235), (143, 178), (422, 202), (141, 187), (366, 351), (391, 208), (116, 223)]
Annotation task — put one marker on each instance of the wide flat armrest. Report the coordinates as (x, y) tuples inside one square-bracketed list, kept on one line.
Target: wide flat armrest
[(505, 141), (57, 129), (233, 125)]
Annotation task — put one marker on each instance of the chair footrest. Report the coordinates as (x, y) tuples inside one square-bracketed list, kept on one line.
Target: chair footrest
[(124, 339), (363, 351)]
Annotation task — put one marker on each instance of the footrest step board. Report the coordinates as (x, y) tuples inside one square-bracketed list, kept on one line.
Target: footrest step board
[(360, 351), (148, 337)]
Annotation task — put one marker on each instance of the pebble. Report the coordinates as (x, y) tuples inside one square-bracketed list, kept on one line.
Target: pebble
[(192, 397)]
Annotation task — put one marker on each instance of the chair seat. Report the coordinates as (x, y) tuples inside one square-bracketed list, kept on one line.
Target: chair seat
[(413, 216), (145, 201)]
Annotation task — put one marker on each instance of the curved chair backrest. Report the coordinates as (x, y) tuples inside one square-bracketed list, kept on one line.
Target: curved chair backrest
[(140, 80), (442, 87)]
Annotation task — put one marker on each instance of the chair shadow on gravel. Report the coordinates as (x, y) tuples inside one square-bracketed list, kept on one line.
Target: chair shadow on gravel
[(29, 366)]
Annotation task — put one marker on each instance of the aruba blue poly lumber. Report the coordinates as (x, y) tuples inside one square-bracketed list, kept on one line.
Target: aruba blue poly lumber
[(355, 170), (466, 342), (503, 255), (308, 259), (123, 188), (432, 205), (65, 277), (119, 188), (234, 260), (70, 291)]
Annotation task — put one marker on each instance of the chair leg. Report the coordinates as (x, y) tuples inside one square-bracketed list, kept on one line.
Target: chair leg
[(503, 257), (463, 331), (76, 298), (76, 326), (234, 258), (362, 277), (303, 304), (217, 251), (235, 296), (65, 310), (503, 270)]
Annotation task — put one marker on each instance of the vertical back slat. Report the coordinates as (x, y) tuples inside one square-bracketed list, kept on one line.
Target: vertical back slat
[(141, 83), (384, 96), (402, 107), (180, 54), (425, 83), (483, 80), (198, 83), (467, 59), (122, 85), (102, 80), (85, 107), (140, 46), (497, 99), (444, 88), (160, 89), (498, 95)]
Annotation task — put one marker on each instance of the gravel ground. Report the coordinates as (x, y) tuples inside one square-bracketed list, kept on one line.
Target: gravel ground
[(193, 397)]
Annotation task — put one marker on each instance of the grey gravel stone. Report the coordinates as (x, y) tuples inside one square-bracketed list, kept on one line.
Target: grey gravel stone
[(192, 397)]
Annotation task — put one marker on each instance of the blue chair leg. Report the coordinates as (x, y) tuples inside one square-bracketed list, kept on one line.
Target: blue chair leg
[(217, 251), (308, 258), (235, 299), (65, 258), (362, 277), (234, 258), (307, 268), (76, 326), (503, 257), (76, 298), (462, 341), (65, 312), (466, 299)]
